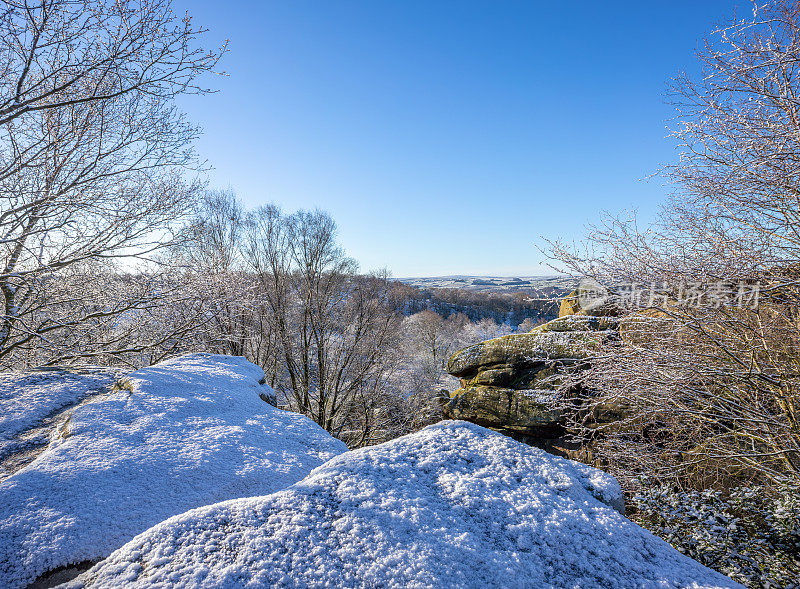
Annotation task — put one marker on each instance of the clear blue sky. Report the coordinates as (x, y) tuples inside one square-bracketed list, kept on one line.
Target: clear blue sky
[(447, 137)]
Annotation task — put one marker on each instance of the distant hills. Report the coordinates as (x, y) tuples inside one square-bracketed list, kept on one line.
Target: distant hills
[(494, 283)]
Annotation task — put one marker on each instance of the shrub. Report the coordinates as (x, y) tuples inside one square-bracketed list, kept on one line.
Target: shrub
[(751, 534)]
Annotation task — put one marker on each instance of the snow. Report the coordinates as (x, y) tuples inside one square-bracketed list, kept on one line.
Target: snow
[(452, 505), (29, 399), (191, 432)]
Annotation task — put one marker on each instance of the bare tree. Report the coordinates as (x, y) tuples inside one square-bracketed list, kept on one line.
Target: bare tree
[(92, 150), (212, 264), (434, 334), (59, 53), (105, 316), (334, 327), (706, 392)]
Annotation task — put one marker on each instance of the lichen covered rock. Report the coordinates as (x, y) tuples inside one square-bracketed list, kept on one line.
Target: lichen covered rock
[(590, 298), (514, 384), (515, 410), (578, 323), (525, 349)]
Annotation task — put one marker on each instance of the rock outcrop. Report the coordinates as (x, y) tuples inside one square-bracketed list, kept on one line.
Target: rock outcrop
[(168, 438), (453, 505), (513, 384)]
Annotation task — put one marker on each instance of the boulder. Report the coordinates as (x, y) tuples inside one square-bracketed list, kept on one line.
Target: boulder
[(578, 323), (453, 505), (521, 411), (525, 349), (514, 384), (539, 375)]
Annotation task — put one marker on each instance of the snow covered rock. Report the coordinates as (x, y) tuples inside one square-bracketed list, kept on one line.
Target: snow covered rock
[(181, 434), (31, 404), (452, 505)]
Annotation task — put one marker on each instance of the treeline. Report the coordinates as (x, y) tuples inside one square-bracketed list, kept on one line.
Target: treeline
[(337, 345), (342, 347), (512, 308), (112, 252)]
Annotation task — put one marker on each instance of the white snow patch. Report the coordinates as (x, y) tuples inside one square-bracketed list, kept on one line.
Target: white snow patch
[(454, 505), (192, 432), (28, 398)]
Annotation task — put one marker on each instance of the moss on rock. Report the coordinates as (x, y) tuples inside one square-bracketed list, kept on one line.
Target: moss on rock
[(512, 383), (578, 323), (525, 349), (503, 408)]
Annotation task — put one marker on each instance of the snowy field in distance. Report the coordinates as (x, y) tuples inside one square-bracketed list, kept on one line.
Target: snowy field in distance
[(556, 285)]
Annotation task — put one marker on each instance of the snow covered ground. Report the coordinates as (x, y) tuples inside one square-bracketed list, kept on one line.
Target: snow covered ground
[(30, 404), (452, 505), (182, 434)]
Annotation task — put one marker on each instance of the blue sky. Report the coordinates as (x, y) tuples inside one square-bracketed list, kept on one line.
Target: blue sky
[(447, 137)]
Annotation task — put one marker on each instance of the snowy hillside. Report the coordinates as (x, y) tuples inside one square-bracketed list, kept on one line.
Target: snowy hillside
[(182, 434), (452, 505)]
